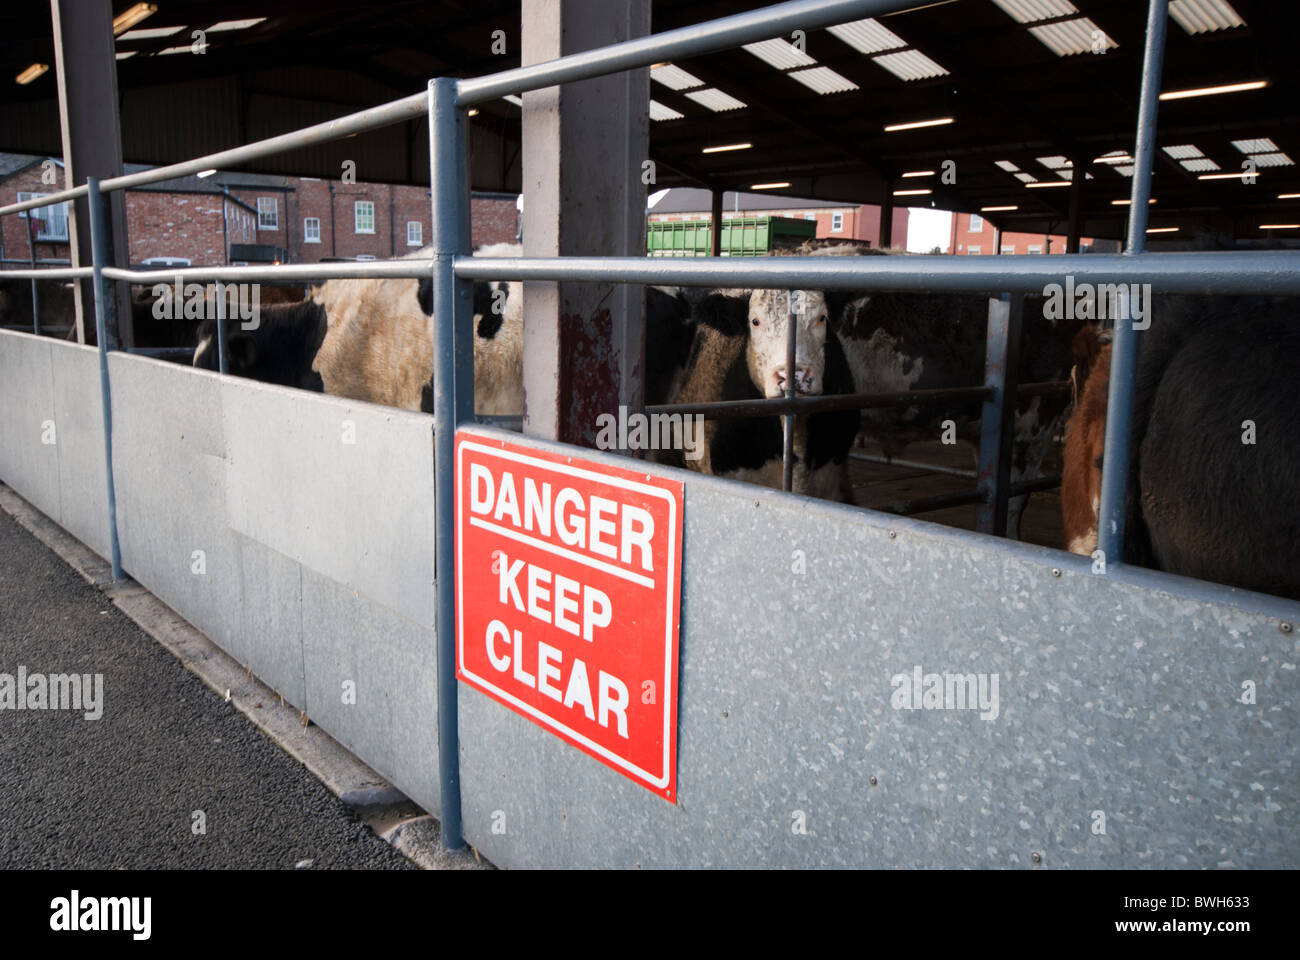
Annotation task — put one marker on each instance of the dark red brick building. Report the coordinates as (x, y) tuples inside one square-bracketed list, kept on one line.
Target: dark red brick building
[(248, 218)]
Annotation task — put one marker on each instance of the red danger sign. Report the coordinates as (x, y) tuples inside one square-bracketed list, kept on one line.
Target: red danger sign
[(568, 588)]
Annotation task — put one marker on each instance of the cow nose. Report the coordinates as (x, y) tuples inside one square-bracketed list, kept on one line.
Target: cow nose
[(804, 379)]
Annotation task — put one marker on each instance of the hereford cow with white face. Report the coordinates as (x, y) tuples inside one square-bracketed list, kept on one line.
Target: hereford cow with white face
[(739, 353), (769, 315)]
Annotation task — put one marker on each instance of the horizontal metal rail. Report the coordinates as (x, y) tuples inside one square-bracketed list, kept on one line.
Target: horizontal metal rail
[(47, 200), (939, 501), (912, 465), (48, 273), (963, 498), (359, 270), (725, 32), (1217, 272), (408, 108), (771, 406)]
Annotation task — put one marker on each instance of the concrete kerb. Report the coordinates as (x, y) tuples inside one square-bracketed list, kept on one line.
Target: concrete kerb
[(381, 806)]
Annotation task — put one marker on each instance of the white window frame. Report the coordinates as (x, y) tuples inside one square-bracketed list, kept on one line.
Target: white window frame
[(356, 215), (268, 213), (976, 223), (1009, 249), (307, 224), (837, 222), (418, 240), (44, 236), (973, 250), (1035, 248)]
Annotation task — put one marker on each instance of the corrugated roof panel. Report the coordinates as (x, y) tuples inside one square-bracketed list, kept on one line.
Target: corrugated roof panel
[(1260, 145), (716, 100), (660, 112), (1008, 166), (1205, 16), (1026, 178), (868, 36), (675, 78), (910, 65), (1031, 11), (1071, 37), (1185, 151), (1055, 163), (1200, 165), (823, 80), (780, 54), (1272, 160)]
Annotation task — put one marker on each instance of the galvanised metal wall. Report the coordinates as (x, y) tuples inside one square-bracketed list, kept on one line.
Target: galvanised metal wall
[(1118, 696), (317, 553), (46, 382)]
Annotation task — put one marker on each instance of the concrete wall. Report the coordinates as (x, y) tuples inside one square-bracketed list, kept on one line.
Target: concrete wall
[(316, 553)]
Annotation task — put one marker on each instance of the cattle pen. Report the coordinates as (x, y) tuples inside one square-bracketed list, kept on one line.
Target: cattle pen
[(1119, 686)]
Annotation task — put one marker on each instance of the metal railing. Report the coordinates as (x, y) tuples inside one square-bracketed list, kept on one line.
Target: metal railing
[(453, 271)]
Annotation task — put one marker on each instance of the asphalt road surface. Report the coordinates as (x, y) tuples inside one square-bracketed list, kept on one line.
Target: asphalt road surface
[(131, 788)]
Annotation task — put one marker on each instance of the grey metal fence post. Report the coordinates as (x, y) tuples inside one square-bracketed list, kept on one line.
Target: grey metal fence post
[(99, 256), (31, 260), (453, 404), (998, 415), (1124, 351), (787, 421)]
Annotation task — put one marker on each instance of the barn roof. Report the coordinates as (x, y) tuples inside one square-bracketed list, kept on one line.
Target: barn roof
[(1020, 79), (697, 200)]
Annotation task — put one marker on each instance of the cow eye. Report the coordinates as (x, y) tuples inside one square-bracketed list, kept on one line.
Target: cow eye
[(754, 320), (821, 319)]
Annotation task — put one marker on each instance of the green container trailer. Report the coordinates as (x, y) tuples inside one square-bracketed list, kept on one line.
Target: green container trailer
[(741, 236)]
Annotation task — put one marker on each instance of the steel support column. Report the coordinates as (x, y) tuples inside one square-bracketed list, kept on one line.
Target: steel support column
[(1124, 351), (586, 146), (1074, 230), (886, 233), (715, 223), (92, 140), (453, 404), (106, 340), (998, 416)]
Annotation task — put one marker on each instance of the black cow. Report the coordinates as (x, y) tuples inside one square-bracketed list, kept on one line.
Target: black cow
[(279, 350), (1216, 443)]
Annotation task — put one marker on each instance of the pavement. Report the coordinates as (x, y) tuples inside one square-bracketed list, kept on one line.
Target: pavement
[(170, 775)]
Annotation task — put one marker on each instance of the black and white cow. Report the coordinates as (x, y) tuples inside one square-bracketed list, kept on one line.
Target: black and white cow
[(897, 342)]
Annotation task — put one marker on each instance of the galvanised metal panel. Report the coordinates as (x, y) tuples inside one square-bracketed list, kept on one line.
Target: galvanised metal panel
[(1118, 698), (371, 678), (26, 402), (83, 492), (253, 474), (270, 609), (169, 466), (345, 488)]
